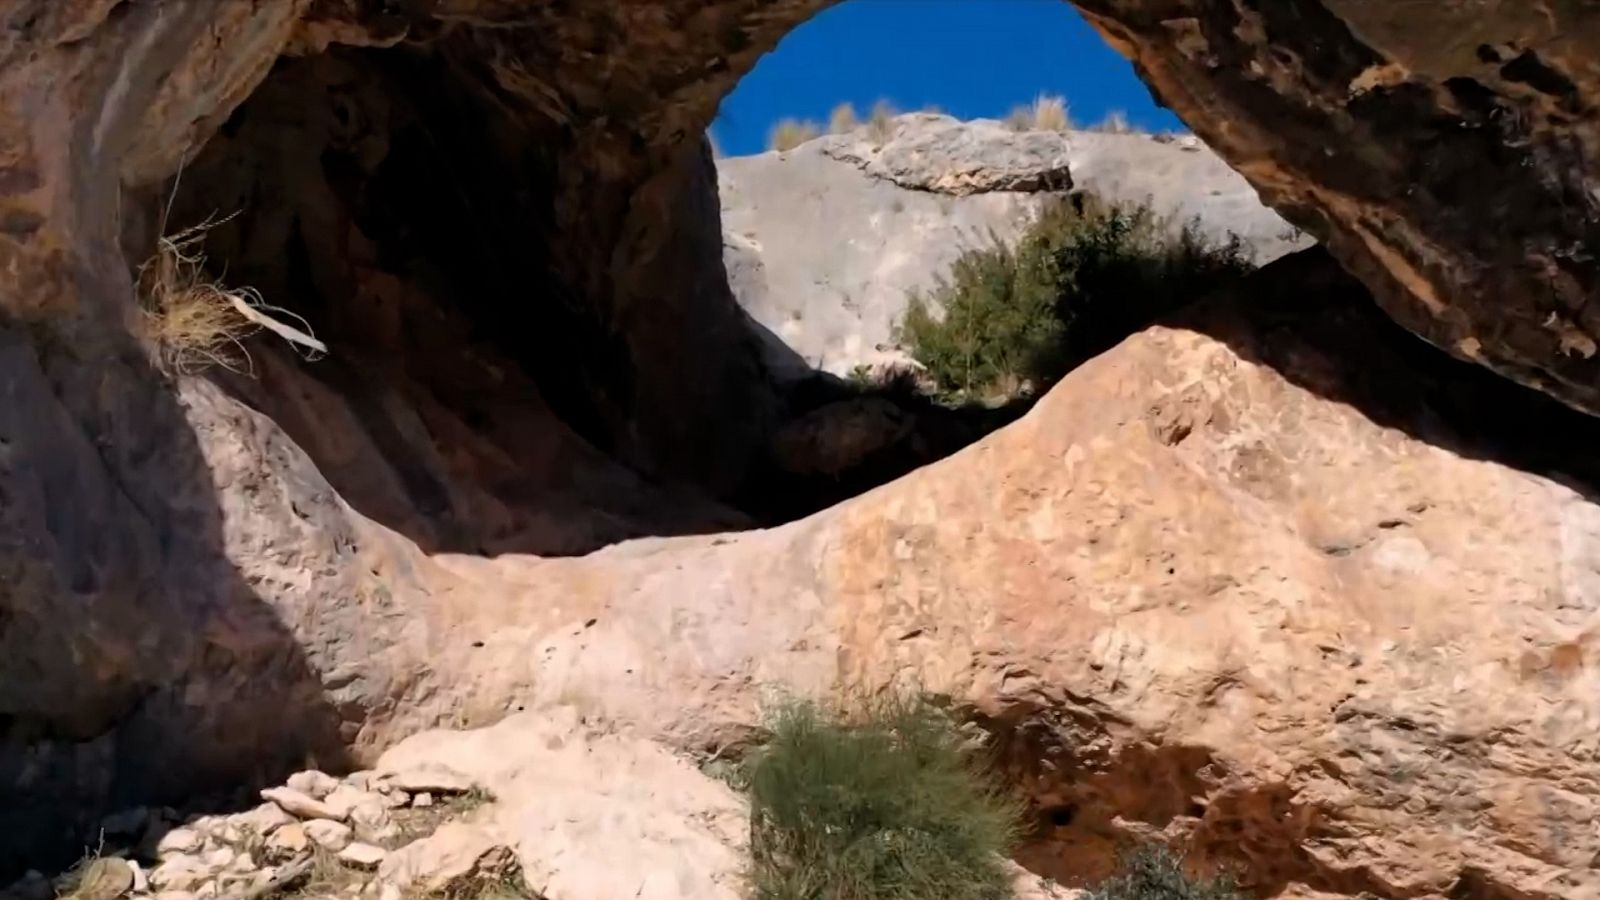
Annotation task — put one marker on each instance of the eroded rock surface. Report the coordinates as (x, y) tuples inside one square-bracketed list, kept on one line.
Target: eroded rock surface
[(824, 243), (1221, 586), (1216, 563)]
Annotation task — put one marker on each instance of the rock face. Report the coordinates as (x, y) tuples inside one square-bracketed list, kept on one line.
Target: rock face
[(1291, 602), (1394, 132), (1222, 585), (823, 243), (590, 814)]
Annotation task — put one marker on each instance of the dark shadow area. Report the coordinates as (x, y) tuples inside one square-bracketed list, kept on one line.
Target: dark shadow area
[(470, 399), (138, 665), (840, 439), (1319, 327)]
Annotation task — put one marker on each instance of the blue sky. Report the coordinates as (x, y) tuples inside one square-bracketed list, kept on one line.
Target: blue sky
[(972, 58)]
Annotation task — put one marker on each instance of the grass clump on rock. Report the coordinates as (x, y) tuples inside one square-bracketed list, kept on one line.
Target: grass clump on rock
[(791, 133), (1154, 873), (1008, 319), (889, 804)]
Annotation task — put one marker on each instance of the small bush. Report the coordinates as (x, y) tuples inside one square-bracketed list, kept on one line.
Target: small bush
[(843, 119), (880, 128), (791, 133), (888, 805), (1082, 277), (1154, 873)]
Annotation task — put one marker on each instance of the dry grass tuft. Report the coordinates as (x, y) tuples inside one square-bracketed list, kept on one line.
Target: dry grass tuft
[(1048, 112), (791, 133), (1115, 122), (843, 119), (192, 320), (880, 128)]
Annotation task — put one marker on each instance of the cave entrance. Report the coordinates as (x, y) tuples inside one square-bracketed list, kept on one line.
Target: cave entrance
[(516, 263), (545, 335)]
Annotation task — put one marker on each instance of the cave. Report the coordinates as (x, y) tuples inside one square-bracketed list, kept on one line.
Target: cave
[(500, 218), (493, 384)]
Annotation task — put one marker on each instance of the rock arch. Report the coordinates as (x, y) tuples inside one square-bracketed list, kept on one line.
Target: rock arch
[(171, 557)]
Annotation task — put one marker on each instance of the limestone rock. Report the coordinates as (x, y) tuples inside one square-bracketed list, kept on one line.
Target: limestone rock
[(422, 800), (257, 822), (329, 835), (448, 860), (592, 816), (1240, 577), (312, 783), (823, 244), (362, 856), (942, 155), (354, 805), (302, 806), (428, 775), (180, 873), (1335, 625), (289, 841), (179, 840)]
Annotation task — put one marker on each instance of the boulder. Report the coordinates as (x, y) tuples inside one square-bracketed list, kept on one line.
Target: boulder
[(362, 856), (591, 815), (448, 860), (329, 835), (426, 776), (312, 783), (288, 842), (302, 806), (1235, 582)]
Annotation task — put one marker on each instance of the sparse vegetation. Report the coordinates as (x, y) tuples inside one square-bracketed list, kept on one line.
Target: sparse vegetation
[(888, 804), (791, 133), (880, 128), (843, 119), (1115, 122), (1083, 276), (192, 321), (1154, 873), (1048, 112)]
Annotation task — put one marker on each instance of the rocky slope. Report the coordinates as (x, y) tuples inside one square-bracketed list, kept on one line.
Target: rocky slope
[(823, 243), (1265, 580)]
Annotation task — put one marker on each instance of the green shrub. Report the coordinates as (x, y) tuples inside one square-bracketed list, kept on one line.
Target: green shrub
[(1153, 873), (888, 805), (1082, 277), (791, 133)]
